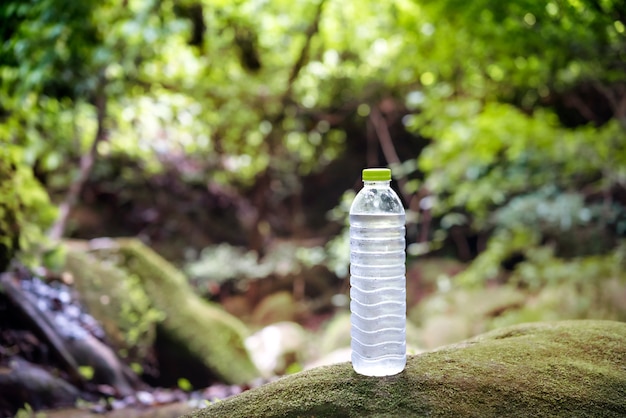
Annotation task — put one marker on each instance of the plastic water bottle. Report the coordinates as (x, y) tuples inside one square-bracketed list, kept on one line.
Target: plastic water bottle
[(377, 277)]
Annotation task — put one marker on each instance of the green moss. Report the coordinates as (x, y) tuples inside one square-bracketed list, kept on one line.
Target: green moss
[(117, 300), (560, 369), (205, 329), (25, 210)]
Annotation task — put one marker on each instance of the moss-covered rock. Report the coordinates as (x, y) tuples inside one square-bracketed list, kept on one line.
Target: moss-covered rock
[(560, 369), (117, 300), (204, 329), (25, 209)]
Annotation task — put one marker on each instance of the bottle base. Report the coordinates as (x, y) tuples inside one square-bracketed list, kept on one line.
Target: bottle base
[(378, 368)]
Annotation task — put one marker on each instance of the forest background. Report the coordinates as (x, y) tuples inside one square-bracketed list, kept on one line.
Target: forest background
[(230, 135)]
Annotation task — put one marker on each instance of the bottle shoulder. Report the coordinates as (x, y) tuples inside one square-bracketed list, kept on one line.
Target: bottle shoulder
[(377, 200)]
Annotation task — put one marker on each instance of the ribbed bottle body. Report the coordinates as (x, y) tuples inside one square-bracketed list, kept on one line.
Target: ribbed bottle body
[(378, 291)]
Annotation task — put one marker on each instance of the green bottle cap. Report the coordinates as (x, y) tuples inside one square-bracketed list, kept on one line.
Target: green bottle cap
[(376, 174)]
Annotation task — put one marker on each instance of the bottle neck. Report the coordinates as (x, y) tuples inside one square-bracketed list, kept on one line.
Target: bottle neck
[(381, 183)]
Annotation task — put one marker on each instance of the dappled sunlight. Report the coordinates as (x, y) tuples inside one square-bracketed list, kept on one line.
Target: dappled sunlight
[(183, 170)]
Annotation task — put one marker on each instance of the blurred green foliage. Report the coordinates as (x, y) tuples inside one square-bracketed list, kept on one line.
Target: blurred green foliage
[(226, 262), (25, 210), (525, 109), (520, 106), (543, 288)]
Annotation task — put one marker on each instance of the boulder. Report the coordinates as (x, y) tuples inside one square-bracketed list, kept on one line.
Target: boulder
[(277, 347), (117, 300), (558, 369), (198, 329)]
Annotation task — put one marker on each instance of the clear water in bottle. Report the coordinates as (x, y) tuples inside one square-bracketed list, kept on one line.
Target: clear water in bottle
[(377, 280)]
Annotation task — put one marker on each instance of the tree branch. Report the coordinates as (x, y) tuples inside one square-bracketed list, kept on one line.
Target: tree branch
[(577, 103), (386, 143), (86, 164), (299, 64), (371, 150), (43, 326), (262, 186)]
